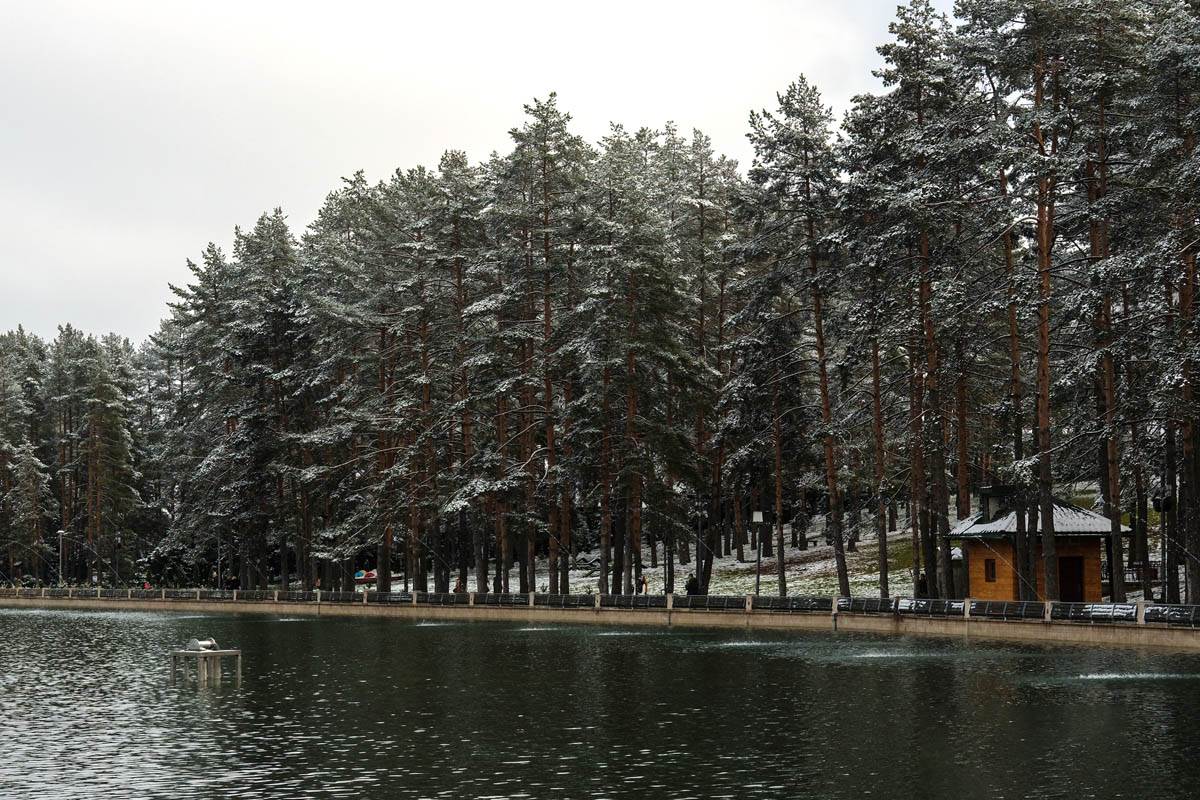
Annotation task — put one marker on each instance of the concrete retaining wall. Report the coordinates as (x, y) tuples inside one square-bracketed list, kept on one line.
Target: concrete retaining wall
[(1109, 635)]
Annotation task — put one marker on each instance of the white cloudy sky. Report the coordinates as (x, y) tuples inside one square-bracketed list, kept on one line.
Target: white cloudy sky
[(133, 132)]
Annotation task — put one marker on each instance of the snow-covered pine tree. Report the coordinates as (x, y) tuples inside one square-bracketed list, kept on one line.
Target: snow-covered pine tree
[(794, 162)]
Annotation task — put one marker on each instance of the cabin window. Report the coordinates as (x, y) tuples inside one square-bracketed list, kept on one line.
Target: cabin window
[(989, 570)]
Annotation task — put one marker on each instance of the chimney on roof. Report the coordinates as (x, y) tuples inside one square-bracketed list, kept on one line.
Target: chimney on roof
[(994, 499)]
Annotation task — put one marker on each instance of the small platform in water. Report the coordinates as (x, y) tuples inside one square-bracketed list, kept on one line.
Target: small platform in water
[(208, 659)]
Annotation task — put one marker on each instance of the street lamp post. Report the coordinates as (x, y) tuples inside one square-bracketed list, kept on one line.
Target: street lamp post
[(60, 556), (756, 519), (1164, 505)]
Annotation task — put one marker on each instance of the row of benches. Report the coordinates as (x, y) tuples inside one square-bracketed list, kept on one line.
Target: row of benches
[(1172, 615)]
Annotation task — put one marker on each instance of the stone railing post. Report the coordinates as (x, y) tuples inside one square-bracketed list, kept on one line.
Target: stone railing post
[(1141, 612), (598, 601), (670, 601), (470, 599), (1047, 616), (966, 608), (749, 603)]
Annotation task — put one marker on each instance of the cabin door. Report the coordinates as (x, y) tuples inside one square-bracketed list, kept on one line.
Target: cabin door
[(1070, 578)]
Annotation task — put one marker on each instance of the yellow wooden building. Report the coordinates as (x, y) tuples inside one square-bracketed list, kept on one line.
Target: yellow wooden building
[(987, 541)]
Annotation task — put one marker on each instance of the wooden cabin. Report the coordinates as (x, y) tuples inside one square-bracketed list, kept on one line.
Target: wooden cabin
[(987, 541)]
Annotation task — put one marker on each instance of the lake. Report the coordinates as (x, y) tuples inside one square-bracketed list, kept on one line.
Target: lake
[(384, 708)]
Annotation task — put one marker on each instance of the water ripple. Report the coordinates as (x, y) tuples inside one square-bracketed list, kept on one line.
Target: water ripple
[(347, 708)]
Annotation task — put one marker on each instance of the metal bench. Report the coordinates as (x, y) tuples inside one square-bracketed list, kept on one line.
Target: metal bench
[(866, 605), (929, 607), (1008, 609), (1175, 615), (443, 599), (390, 597), (1094, 612), (710, 602), (564, 600), (502, 599)]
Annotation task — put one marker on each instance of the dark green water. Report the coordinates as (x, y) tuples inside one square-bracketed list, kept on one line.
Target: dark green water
[(381, 708)]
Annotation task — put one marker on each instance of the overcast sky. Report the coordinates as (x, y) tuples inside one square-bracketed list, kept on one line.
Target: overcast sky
[(132, 133)]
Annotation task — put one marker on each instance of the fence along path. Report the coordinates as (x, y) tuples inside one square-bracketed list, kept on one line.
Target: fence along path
[(1106, 623)]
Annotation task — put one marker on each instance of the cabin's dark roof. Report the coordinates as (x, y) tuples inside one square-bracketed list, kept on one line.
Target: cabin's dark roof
[(1069, 520)]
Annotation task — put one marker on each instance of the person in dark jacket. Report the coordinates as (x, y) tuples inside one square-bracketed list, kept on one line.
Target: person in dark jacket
[(692, 586)]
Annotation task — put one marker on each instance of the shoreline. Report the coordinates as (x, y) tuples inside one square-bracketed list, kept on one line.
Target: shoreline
[(1043, 630)]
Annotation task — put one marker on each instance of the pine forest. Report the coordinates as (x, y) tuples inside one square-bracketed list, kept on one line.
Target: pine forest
[(575, 364)]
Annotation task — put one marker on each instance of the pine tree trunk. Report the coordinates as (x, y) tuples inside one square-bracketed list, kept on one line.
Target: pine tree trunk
[(831, 478), (777, 441), (669, 488), (1171, 527), (922, 539), (704, 554), (503, 546), (1097, 190), (618, 566), (1021, 550), (880, 456), (564, 526), (935, 456), (528, 573), (1188, 515), (963, 472), (634, 532), (669, 556), (1141, 542), (552, 494), (739, 527), (567, 552), (718, 461), (1112, 468), (385, 458), (1045, 240), (605, 485), (1187, 541)]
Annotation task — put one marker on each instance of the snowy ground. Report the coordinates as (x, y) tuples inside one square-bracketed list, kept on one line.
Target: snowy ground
[(808, 572)]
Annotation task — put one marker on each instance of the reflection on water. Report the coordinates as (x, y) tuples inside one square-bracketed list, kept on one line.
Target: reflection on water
[(350, 708), (1137, 676)]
